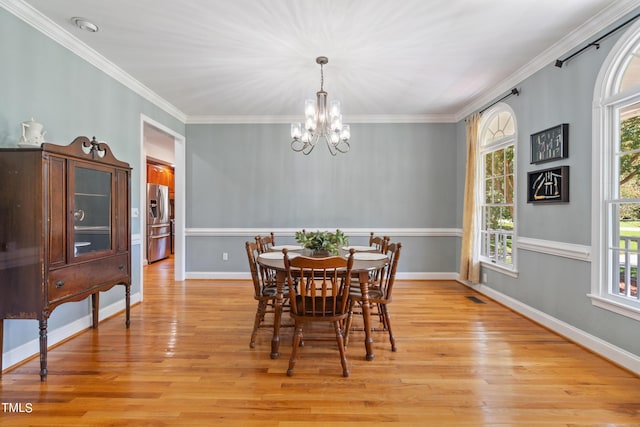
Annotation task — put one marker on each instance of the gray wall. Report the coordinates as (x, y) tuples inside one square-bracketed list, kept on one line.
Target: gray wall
[(395, 176), (41, 79), (554, 285)]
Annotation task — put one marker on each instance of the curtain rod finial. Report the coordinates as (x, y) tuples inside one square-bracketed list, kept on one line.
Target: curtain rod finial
[(559, 63)]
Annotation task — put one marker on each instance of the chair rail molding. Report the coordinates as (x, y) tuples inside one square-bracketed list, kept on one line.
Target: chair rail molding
[(561, 249), (356, 232)]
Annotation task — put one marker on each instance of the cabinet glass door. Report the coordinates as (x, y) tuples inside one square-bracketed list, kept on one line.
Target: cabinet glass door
[(91, 211)]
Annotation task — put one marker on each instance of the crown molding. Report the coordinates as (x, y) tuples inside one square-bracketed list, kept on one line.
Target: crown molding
[(228, 119), (40, 22), (407, 118), (351, 119), (590, 28)]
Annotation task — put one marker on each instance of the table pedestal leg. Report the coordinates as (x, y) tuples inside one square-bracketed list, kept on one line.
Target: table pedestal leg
[(364, 289)]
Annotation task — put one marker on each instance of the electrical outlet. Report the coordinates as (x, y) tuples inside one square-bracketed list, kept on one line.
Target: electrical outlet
[(484, 277), (225, 256), (135, 213)]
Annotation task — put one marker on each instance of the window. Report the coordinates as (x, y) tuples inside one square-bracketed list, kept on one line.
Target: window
[(497, 138), (616, 184)]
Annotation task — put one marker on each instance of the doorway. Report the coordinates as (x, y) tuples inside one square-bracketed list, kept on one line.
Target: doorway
[(167, 147)]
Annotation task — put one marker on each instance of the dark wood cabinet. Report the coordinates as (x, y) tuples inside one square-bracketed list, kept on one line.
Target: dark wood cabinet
[(161, 174), (64, 230)]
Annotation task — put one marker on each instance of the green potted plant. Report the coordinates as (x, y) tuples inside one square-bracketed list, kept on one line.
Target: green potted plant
[(322, 243)]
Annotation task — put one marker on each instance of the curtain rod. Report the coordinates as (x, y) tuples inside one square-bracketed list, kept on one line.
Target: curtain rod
[(514, 91), (560, 62)]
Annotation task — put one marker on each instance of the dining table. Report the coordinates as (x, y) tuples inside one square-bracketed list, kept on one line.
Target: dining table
[(366, 260)]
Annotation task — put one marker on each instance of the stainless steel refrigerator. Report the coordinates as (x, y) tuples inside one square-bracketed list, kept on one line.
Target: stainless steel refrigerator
[(158, 224)]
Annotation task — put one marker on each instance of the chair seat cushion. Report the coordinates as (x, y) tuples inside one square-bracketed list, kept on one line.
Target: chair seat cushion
[(375, 293), (272, 291)]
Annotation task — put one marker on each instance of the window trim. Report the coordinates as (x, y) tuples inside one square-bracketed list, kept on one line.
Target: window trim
[(604, 130), (497, 144)]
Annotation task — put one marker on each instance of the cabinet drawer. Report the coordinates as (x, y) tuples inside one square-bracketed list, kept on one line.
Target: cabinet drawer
[(75, 279)]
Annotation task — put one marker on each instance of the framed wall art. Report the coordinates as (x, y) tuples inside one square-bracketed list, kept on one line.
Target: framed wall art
[(548, 185), (550, 144)]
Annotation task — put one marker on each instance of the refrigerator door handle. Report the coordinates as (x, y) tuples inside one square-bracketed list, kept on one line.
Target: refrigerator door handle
[(160, 236), (159, 198)]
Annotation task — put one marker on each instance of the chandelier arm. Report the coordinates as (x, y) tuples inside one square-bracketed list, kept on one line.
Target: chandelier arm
[(295, 143), (335, 148), (346, 150), (309, 148), (330, 146)]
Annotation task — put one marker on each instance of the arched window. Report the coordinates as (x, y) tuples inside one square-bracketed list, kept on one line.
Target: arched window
[(497, 187), (616, 182)]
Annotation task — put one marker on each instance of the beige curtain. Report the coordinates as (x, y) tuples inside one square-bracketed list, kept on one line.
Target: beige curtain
[(469, 264)]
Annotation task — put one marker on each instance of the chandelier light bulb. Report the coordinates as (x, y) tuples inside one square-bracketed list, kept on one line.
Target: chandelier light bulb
[(336, 123), (306, 137), (345, 134), (296, 130), (310, 109), (334, 108), (310, 125)]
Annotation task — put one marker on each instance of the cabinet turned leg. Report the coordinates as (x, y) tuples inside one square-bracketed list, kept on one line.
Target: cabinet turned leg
[(1, 343), (43, 350), (95, 307), (127, 294)]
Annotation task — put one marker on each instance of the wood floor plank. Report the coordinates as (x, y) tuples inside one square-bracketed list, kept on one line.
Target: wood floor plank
[(186, 361)]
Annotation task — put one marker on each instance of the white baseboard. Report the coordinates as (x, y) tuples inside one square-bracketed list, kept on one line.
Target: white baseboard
[(426, 276), (54, 336), (229, 275), (603, 348), (221, 275)]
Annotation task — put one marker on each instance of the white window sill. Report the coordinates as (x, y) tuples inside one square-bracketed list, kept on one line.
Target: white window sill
[(621, 307), (512, 272)]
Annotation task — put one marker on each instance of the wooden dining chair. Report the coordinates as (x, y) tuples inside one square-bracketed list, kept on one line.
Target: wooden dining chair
[(264, 291), (380, 243), (321, 294), (380, 296), (265, 243)]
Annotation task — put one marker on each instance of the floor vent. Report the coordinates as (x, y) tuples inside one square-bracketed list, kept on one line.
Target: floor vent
[(476, 300)]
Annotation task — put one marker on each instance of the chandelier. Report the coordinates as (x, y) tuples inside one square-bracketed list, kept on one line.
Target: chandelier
[(321, 121)]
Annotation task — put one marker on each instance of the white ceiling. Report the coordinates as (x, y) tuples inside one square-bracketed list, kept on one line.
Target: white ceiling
[(389, 60)]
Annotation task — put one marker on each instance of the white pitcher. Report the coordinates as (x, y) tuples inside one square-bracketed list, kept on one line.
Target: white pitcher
[(32, 134)]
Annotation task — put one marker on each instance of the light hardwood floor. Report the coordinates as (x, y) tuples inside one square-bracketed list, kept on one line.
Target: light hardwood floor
[(186, 361)]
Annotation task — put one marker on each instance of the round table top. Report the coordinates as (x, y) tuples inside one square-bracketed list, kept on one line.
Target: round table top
[(361, 260)]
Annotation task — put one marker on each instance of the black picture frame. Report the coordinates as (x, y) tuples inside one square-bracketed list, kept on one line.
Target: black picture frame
[(550, 144), (548, 185)]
